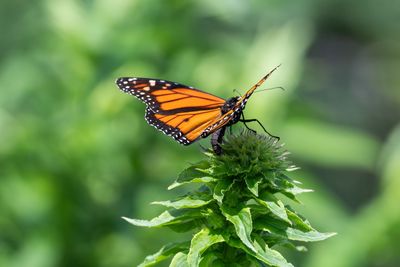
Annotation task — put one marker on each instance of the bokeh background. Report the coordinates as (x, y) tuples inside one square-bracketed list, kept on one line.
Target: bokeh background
[(76, 153)]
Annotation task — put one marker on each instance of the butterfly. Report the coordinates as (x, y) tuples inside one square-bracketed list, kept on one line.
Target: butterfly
[(185, 113)]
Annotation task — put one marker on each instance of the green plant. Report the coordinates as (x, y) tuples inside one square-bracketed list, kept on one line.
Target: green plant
[(236, 214)]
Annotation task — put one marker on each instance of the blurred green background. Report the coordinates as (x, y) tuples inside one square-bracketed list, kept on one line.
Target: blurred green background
[(76, 153)]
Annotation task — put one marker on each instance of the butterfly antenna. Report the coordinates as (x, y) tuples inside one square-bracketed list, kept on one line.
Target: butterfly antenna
[(236, 91), (272, 88)]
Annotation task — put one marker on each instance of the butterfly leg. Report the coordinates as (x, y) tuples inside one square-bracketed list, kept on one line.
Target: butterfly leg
[(251, 120), (216, 140), (247, 127), (244, 122)]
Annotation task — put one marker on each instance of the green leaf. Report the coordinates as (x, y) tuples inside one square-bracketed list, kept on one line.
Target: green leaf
[(253, 262), (204, 179), (284, 232), (165, 218), (291, 196), (275, 206), (183, 203), (283, 176), (208, 259), (252, 184), (213, 218), (310, 236), (185, 226), (298, 222), (243, 224), (164, 253), (202, 165), (289, 244), (292, 168), (269, 222), (289, 233), (268, 255), (221, 187), (295, 190), (200, 243), (193, 174), (263, 253), (288, 187), (179, 260)]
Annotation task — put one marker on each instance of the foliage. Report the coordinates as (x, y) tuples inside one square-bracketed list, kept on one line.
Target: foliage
[(76, 154), (236, 214)]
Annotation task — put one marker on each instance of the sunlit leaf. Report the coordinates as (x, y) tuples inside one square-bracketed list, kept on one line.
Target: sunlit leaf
[(285, 232), (295, 190), (252, 184), (221, 187), (277, 208), (294, 234), (196, 173), (185, 202), (243, 225), (298, 221), (164, 253), (268, 255), (179, 260), (204, 180), (165, 218), (200, 243), (263, 253)]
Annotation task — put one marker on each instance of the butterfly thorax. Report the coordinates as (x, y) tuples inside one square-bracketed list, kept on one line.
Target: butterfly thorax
[(231, 104)]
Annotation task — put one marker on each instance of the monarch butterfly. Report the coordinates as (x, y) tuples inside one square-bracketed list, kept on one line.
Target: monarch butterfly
[(185, 113)]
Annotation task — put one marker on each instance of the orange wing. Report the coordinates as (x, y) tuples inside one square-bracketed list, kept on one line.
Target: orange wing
[(179, 111), (164, 96)]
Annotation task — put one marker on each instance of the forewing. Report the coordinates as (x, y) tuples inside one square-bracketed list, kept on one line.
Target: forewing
[(165, 97)]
